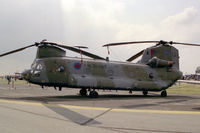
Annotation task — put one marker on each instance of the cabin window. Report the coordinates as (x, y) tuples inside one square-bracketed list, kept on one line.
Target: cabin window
[(151, 75), (61, 69)]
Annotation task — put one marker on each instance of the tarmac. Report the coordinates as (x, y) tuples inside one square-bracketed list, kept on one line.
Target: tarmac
[(29, 108)]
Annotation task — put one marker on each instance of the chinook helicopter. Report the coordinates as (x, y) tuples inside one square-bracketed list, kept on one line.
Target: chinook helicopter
[(157, 70)]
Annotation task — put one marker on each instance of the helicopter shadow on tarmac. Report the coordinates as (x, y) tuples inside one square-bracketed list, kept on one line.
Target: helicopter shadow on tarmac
[(73, 116), (81, 119)]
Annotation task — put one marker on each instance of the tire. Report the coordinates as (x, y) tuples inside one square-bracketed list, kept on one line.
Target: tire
[(93, 94), (145, 93), (83, 92), (164, 93)]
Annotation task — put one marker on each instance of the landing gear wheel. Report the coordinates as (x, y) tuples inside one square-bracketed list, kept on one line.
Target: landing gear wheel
[(60, 88), (93, 94), (83, 92), (164, 93), (145, 93)]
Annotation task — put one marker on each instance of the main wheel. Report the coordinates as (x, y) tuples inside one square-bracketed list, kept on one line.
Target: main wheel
[(164, 93), (83, 92), (93, 94), (145, 93)]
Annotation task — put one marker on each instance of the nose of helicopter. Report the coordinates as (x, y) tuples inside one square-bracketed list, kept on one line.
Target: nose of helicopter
[(26, 74)]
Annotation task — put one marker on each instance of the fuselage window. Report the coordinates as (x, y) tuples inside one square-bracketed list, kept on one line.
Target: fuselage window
[(151, 76), (61, 69)]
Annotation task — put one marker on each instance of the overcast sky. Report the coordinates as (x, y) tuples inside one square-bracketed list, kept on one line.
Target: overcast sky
[(93, 23)]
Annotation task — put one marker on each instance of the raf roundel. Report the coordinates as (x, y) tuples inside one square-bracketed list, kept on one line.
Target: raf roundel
[(77, 65)]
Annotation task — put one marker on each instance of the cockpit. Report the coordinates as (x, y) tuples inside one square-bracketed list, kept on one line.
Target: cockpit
[(36, 69)]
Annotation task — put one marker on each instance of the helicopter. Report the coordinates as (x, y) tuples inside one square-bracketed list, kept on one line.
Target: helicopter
[(157, 70)]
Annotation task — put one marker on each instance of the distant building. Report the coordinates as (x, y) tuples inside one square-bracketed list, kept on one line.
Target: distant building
[(198, 70), (195, 76), (191, 77)]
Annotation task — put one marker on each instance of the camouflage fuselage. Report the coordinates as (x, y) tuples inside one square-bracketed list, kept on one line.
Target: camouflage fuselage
[(100, 74)]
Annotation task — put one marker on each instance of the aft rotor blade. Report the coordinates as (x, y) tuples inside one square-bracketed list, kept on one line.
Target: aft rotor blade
[(77, 50), (135, 56), (17, 50), (188, 44), (126, 43)]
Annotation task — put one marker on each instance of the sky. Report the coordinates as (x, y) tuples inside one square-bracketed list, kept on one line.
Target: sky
[(93, 23)]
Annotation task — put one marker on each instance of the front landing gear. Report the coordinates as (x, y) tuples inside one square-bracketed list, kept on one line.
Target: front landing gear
[(164, 93), (83, 92), (93, 94), (145, 93)]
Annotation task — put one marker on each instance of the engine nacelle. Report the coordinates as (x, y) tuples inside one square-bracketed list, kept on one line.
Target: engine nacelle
[(156, 62)]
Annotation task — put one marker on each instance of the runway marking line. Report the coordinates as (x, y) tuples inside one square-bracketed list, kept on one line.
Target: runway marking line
[(101, 109)]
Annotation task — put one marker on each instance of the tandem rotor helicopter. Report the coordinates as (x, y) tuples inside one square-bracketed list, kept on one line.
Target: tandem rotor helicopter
[(157, 70)]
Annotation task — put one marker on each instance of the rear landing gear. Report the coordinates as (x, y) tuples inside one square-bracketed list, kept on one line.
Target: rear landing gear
[(145, 93), (164, 93), (60, 88), (83, 92), (93, 94)]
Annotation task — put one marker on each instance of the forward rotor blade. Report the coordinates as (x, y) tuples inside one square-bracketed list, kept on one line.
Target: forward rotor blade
[(81, 47), (135, 56), (17, 50), (126, 43), (188, 44), (77, 50), (82, 51)]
